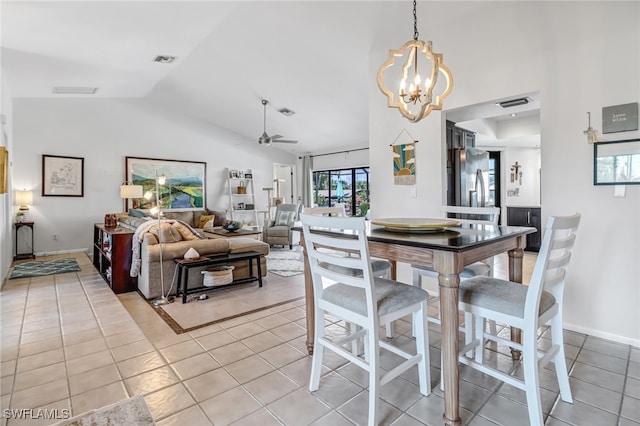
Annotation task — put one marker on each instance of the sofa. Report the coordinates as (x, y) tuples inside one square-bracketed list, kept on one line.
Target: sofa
[(177, 239)]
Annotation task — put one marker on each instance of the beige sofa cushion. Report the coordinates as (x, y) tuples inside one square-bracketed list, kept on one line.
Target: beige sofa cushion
[(166, 234)]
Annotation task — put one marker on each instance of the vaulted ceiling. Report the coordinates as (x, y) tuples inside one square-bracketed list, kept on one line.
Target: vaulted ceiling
[(309, 57)]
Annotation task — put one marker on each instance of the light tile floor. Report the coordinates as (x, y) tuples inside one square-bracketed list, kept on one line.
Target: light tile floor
[(69, 343)]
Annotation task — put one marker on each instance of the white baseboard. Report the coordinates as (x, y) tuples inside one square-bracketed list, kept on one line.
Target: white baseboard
[(49, 253), (607, 336)]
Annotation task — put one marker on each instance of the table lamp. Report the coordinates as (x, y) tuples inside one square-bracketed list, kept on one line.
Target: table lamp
[(23, 199), (129, 190)]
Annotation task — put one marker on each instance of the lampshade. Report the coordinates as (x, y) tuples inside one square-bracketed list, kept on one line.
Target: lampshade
[(24, 198), (129, 190)]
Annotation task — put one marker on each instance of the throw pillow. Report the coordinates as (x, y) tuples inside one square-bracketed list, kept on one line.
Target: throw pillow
[(185, 232), (136, 213), (166, 234), (204, 219), (283, 218)]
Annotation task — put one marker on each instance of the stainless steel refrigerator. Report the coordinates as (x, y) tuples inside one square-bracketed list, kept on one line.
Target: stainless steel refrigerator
[(471, 177)]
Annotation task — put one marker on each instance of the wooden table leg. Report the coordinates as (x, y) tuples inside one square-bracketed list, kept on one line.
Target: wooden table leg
[(450, 324), (515, 275)]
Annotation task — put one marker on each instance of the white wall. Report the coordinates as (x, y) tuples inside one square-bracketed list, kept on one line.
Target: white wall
[(6, 221), (104, 132), (581, 56), (529, 192)]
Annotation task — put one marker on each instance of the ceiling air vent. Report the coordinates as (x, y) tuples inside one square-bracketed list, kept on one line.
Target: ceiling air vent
[(513, 102), (164, 59), (74, 90), (286, 111)]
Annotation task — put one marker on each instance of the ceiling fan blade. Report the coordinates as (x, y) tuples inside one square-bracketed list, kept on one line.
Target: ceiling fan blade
[(277, 137), (283, 141)]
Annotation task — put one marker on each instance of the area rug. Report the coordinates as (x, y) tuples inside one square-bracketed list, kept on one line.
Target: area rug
[(131, 411), (285, 262), (40, 269), (229, 302)]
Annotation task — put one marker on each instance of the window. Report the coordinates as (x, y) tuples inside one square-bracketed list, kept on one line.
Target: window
[(349, 187)]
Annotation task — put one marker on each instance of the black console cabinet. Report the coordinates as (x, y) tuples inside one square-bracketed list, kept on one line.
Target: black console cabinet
[(527, 216)]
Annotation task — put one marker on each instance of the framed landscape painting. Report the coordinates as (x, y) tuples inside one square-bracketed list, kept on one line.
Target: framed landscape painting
[(62, 176), (184, 188)]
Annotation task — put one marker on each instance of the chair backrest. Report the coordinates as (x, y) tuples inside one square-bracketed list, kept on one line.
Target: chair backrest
[(345, 249), (286, 214), (473, 215), (326, 211), (551, 267)]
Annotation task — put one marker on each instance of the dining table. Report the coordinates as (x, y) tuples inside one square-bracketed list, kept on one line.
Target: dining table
[(447, 251)]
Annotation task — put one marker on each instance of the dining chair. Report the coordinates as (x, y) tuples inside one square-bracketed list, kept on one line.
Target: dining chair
[(469, 216), (380, 267), (360, 299), (527, 308)]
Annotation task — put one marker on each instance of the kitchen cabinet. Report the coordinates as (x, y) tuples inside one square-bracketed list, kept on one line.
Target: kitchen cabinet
[(527, 216)]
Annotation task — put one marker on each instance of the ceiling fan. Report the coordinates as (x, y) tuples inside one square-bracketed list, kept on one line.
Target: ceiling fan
[(265, 139)]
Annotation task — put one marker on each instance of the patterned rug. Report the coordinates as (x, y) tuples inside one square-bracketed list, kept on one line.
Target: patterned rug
[(40, 269), (132, 411), (285, 262)]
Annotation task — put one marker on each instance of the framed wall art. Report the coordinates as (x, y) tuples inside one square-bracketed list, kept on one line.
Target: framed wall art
[(616, 162), (183, 190), (62, 176), (4, 169)]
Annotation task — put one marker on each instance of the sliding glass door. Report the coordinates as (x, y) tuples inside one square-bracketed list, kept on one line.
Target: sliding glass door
[(349, 187)]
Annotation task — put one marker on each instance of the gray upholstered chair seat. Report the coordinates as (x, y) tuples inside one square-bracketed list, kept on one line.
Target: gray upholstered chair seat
[(377, 266), (391, 296), (500, 296)]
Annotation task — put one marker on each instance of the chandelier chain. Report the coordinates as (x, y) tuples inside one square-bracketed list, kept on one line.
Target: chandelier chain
[(415, 22)]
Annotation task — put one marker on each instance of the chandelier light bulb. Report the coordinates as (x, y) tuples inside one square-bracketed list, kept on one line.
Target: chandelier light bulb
[(162, 179), (154, 210)]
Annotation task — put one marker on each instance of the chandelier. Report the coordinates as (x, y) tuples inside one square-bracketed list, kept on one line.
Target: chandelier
[(416, 103)]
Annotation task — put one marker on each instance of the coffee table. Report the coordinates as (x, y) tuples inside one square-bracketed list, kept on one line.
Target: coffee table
[(223, 233)]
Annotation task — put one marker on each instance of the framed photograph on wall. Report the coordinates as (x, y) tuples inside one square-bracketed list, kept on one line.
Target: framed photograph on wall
[(184, 188), (616, 162), (62, 176)]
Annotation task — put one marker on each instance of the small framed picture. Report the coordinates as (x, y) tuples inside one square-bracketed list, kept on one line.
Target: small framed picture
[(240, 206), (248, 175), (233, 174), (240, 174), (62, 176)]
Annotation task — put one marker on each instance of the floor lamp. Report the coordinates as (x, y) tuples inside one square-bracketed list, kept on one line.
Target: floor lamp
[(157, 210)]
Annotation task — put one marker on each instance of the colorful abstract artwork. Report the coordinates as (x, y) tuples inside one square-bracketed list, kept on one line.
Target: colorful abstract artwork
[(404, 164)]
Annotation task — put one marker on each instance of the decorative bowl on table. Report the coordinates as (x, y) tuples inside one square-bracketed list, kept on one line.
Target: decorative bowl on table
[(232, 226)]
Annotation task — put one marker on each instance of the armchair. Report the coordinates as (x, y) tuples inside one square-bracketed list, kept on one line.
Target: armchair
[(278, 231)]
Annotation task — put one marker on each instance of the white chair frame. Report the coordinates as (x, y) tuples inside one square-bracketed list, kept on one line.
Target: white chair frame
[(324, 249), (549, 276)]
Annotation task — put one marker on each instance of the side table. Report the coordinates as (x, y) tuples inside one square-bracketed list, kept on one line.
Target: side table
[(24, 255)]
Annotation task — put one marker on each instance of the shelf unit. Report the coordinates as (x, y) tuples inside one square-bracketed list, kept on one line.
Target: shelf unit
[(238, 203), (112, 257)]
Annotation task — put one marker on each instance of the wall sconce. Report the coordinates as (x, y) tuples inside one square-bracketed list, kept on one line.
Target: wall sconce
[(24, 199)]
